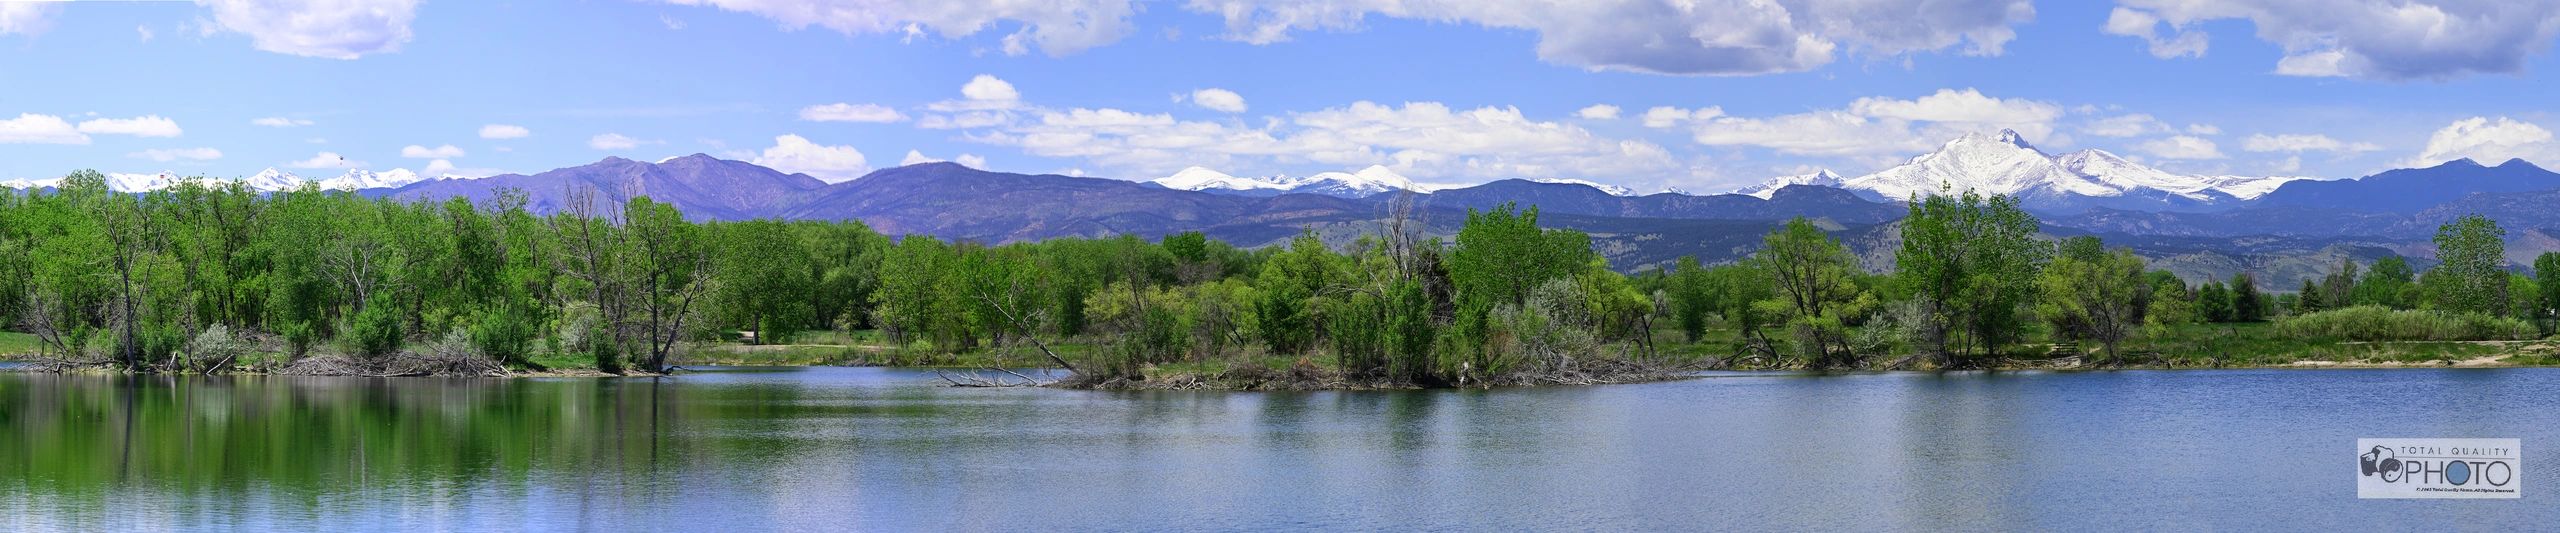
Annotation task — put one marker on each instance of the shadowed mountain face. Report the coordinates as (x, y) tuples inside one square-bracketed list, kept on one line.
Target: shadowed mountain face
[(2415, 189), (703, 187)]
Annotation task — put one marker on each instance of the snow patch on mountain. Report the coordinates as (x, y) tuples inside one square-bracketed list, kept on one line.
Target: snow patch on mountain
[(1819, 178), (1202, 178), (2006, 164), (1364, 183)]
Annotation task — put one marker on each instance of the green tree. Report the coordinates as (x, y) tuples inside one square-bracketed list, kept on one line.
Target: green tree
[(1972, 261), (1692, 293), (2213, 302), (2247, 304), (2546, 275), (1813, 279), (2472, 277), (2389, 283), (2103, 294), (1502, 254)]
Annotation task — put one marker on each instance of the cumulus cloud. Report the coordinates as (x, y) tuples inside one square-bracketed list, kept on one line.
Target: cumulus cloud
[(2181, 147), (966, 160), (986, 88), (26, 18), (1598, 112), (326, 160), (1427, 140), (174, 154), (2489, 141), (279, 122), (616, 141), (832, 164), (335, 29), (2142, 24), (1220, 100), (504, 131), (30, 128), (1709, 37), (2373, 39), (1874, 126), (1058, 27), (142, 126), (843, 112), (2298, 143), (1667, 116), (421, 152)]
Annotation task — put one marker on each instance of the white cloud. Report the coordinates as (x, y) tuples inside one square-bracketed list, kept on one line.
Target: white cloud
[(2132, 125), (173, 154), (1967, 106), (966, 160), (616, 141), (1667, 116), (1710, 37), (1419, 139), (2135, 23), (843, 112), (1059, 27), (142, 126), (30, 128), (2204, 129), (1220, 100), (985, 88), (2181, 147), (1876, 126), (144, 32), (2374, 39), (421, 152), (26, 18), (2489, 142), (1598, 112), (326, 160), (335, 29), (279, 122), (504, 131), (832, 164), (2299, 143)]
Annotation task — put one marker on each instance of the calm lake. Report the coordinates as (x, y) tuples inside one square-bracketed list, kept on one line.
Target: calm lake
[(874, 449)]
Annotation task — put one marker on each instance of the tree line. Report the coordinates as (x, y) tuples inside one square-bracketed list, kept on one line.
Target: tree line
[(163, 281)]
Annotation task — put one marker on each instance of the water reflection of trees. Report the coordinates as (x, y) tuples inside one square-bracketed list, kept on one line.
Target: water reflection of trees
[(85, 443)]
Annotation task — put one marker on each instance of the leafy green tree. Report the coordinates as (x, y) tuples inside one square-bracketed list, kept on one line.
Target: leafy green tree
[(2310, 298), (764, 278), (2546, 275), (2213, 302), (2472, 277), (1692, 294), (2104, 294), (1813, 278), (1501, 254), (1972, 261), (2389, 283)]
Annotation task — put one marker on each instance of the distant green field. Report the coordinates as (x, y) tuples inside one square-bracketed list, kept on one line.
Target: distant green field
[(15, 345)]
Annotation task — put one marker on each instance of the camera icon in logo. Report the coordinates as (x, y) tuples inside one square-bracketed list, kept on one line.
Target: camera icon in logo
[(2379, 461)]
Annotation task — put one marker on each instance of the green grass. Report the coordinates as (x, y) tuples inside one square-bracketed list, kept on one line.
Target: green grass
[(17, 345)]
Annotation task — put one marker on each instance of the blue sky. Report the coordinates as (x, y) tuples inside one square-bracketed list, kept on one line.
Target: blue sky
[(1457, 92)]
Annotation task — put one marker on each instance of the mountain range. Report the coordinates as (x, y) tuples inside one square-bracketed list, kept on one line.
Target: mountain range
[(2200, 227), (2005, 163)]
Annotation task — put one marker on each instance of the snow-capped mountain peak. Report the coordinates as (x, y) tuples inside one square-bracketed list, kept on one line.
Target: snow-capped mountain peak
[(2006, 164), (1202, 178), (272, 180), (1819, 178), (360, 179), (1368, 181)]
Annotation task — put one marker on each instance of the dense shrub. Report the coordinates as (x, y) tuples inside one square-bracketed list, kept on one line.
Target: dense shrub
[(375, 330), (2377, 323)]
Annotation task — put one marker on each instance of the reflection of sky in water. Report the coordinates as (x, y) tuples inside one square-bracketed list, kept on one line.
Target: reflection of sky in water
[(832, 448)]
